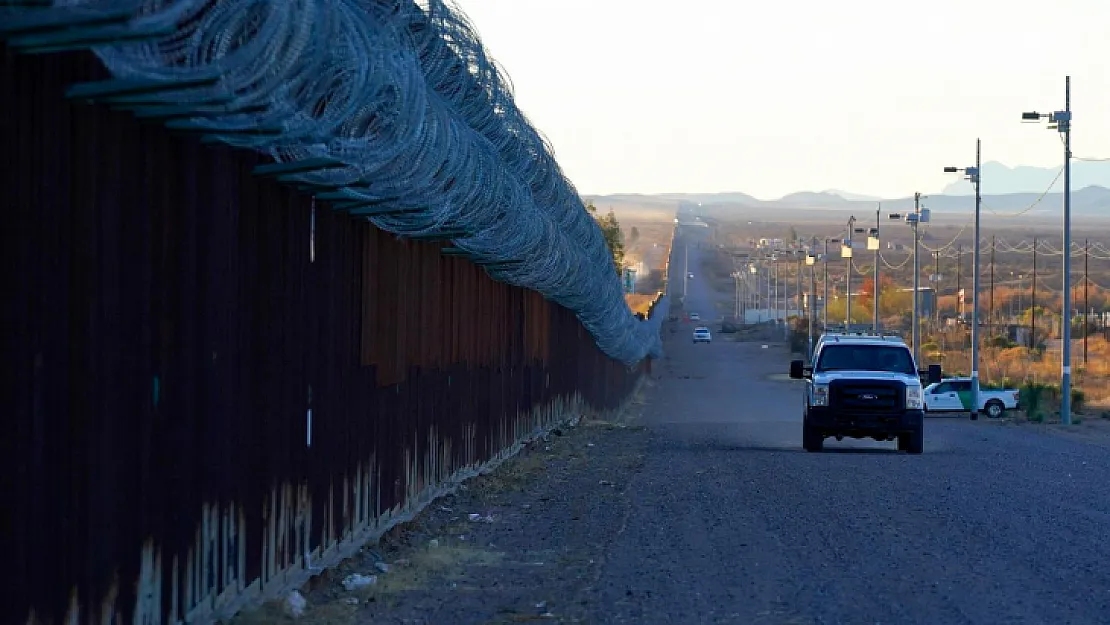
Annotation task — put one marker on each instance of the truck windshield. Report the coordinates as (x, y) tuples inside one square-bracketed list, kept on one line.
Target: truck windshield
[(894, 359)]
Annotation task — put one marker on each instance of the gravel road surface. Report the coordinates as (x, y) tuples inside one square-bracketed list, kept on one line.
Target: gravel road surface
[(706, 510), (732, 522)]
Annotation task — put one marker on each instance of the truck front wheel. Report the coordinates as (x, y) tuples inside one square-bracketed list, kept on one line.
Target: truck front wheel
[(912, 442), (812, 438)]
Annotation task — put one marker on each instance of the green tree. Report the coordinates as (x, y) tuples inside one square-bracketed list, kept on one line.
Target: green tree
[(611, 230)]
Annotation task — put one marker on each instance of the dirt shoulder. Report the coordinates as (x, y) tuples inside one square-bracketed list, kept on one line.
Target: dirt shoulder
[(1092, 428), (520, 544)]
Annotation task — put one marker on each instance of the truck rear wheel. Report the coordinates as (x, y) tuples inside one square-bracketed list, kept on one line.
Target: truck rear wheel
[(994, 409)]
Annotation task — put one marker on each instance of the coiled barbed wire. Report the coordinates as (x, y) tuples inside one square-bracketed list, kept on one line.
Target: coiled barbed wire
[(423, 123)]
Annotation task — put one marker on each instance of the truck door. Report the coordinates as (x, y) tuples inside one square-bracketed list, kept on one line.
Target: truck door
[(943, 398), (963, 391)]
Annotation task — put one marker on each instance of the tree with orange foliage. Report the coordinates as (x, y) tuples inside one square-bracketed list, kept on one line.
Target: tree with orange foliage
[(867, 289)]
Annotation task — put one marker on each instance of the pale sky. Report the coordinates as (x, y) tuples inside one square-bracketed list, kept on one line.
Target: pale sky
[(778, 96)]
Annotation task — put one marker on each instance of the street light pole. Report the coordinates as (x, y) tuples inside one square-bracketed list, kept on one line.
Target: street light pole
[(798, 283), (848, 279), (973, 175), (685, 271), (1061, 122), (875, 286), (825, 297), (975, 289), (916, 281), (811, 260), (785, 299)]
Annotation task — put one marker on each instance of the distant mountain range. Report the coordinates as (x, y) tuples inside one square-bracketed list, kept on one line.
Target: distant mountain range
[(1005, 190), (999, 179), (1091, 201)]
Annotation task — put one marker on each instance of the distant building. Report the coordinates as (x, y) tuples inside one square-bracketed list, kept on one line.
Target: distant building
[(926, 300)]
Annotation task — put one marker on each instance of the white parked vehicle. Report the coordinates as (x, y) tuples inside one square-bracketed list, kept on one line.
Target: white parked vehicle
[(954, 395), (702, 335), (695, 317)]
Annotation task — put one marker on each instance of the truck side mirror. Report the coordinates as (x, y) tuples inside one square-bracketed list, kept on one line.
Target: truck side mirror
[(934, 374), (797, 368)]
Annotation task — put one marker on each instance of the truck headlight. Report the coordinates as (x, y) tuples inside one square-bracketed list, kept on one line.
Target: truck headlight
[(820, 395), (913, 398)]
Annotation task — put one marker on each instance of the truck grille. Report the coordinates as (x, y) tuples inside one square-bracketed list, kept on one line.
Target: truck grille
[(867, 396)]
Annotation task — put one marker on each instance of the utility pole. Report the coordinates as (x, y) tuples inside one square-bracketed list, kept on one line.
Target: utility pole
[(1033, 300), (990, 317), (1086, 296), (959, 296), (875, 280), (936, 290)]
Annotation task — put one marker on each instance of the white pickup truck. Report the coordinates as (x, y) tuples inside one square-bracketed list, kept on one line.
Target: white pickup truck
[(954, 395)]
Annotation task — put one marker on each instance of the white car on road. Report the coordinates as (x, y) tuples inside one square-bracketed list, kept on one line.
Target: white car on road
[(954, 395), (702, 335)]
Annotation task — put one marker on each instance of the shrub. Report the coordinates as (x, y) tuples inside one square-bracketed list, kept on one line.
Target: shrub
[(1034, 397), (1078, 399)]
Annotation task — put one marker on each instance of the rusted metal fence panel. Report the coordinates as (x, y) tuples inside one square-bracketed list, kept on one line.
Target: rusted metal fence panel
[(212, 384)]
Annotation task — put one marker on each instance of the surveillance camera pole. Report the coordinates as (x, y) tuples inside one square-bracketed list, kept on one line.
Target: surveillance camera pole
[(1064, 125), (1062, 121)]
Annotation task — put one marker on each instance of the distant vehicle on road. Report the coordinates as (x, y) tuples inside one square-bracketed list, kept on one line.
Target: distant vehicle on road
[(695, 317), (954, 395), (863, 386), (702, 335)]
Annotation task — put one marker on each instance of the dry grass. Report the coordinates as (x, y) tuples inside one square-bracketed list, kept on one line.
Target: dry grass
[(421, 568)]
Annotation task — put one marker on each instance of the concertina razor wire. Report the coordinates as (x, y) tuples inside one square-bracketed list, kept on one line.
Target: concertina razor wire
[(419, 124)]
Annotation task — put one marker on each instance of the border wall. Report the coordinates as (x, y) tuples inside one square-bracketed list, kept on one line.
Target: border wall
[(213, 385)]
